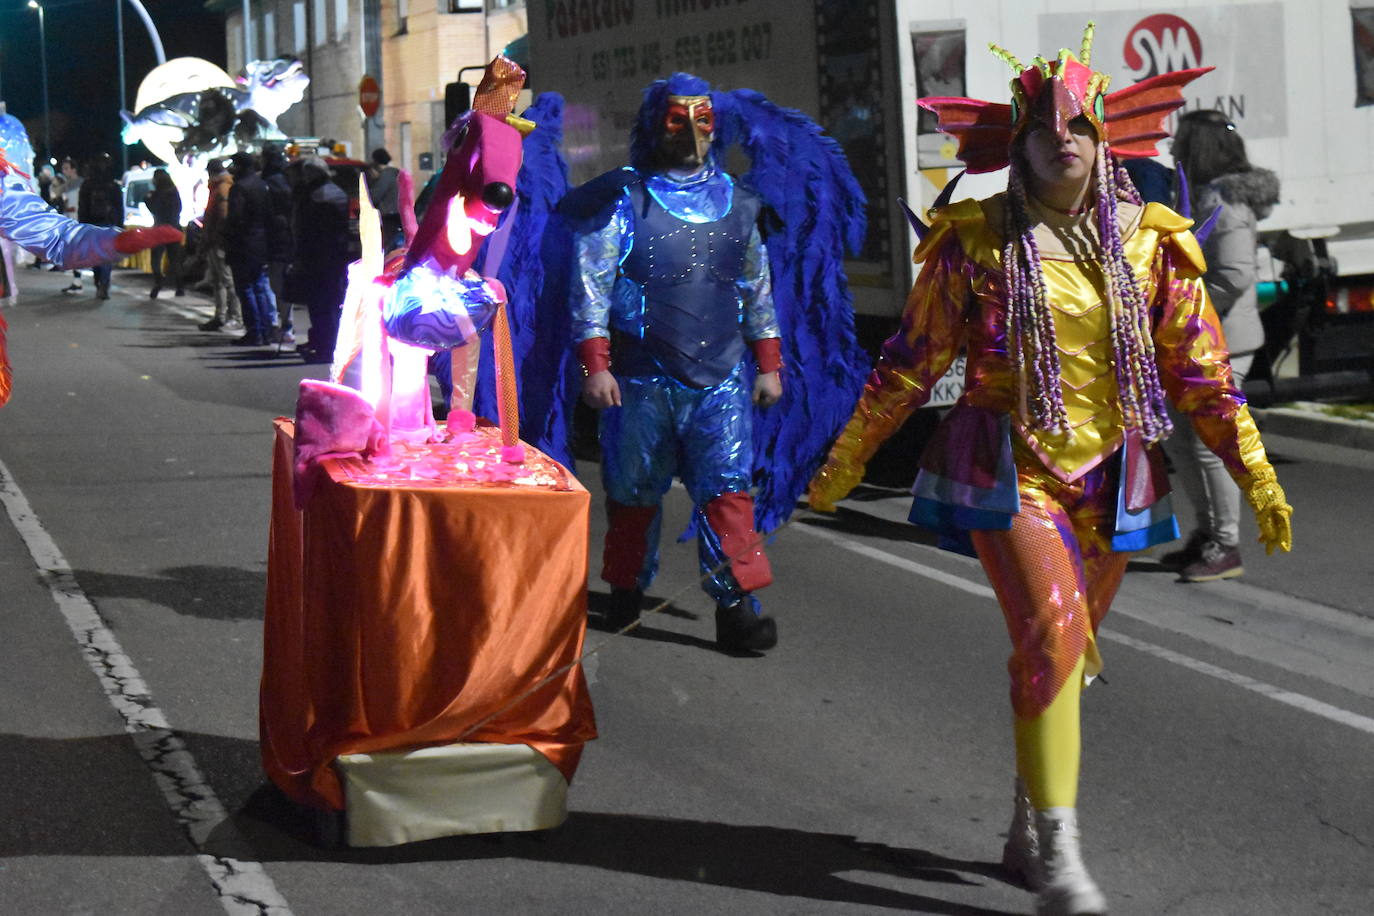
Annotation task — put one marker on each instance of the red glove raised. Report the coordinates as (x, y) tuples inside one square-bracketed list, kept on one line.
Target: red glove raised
[(131, 241)]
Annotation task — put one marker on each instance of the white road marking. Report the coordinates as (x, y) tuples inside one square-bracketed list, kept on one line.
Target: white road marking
[(1287, 697), (244, 888)]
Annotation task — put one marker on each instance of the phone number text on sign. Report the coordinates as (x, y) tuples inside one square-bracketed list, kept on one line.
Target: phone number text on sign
[(722, 47)]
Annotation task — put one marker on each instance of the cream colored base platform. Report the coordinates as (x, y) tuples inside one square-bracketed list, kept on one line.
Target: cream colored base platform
[(406, 796)]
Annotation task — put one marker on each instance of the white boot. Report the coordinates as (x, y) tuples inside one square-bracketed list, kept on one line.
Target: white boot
[(1066, 889), (1021, 854)]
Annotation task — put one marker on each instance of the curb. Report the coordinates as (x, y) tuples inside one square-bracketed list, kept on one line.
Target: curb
[(1309, 422)]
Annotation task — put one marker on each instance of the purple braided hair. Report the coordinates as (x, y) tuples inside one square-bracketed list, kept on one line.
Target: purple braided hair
[(1137, 376), (1030, 332)]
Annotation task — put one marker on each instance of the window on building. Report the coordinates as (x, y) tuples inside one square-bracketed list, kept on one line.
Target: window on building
[(406, 146), (269, 34), (298, 26), (402, 13), (340, 19), (473, 6), (321, 23)]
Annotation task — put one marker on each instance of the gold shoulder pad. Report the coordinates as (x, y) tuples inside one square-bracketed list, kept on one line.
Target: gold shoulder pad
[(944, 219), (1168, 223)]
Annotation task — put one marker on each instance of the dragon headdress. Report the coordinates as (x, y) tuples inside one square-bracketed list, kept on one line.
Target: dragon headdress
[(1131, 121)]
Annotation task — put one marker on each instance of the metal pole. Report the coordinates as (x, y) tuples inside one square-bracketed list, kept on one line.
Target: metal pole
[(123, 100), (247, 33), (43, 63), (152, 30)]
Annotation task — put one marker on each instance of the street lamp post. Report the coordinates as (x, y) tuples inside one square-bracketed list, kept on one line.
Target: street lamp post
[(43, 63), (123, 101)]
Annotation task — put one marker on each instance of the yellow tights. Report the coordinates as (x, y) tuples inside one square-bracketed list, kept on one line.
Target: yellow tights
[(1047, 748)]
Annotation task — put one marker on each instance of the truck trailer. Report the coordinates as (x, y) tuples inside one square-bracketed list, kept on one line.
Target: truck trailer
[(1296, 78)]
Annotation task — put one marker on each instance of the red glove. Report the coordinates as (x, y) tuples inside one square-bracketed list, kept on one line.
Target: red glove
[(594, 354), (131, 241)]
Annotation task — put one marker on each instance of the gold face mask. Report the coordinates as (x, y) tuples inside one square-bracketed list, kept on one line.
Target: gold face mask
[(689, 126)]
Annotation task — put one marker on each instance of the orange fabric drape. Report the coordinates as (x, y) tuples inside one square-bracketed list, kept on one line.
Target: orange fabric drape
[(401, 616)]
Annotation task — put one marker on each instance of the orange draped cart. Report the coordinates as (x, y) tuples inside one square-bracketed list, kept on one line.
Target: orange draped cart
[(409, 614)]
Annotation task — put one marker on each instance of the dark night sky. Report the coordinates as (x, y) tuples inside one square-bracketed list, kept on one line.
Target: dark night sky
[(83, 65)]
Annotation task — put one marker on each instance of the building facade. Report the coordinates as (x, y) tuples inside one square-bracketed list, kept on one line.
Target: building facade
[(412, 48)]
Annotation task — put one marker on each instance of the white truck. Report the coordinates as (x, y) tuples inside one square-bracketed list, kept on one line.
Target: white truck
[(1296, 77)]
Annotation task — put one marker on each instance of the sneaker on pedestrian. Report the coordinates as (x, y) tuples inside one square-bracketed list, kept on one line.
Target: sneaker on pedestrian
[(1215, 561), (249, 340), (286, 336), (72, 288), (1189, 553), (214, 324), (233, 324)]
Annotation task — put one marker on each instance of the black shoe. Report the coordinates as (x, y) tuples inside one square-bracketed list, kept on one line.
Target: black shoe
[(623, 608), (739, 629), (102, 290), (72, 288), (249, 340), (1189, 553), (214, 324), (157, 288)]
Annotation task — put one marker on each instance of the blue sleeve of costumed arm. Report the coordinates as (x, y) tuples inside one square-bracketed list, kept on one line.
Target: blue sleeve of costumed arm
[(30, 223), (599, 253), (756, 290)]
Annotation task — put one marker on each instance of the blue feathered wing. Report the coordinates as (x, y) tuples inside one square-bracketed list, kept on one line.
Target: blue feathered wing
[(817, 210)]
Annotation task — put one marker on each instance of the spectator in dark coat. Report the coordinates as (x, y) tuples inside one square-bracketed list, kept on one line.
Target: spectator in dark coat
[(101, 203), (280, 242), (164, 202), (247, 247), (383, 188), (319, 272)]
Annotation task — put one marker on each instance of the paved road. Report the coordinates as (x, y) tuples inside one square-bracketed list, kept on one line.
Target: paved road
[(862, 767)]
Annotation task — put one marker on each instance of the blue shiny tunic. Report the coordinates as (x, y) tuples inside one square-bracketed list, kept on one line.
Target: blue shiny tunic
[(606, 299)]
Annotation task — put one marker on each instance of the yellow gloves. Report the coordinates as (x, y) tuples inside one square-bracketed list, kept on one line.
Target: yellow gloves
[(1272, 513)]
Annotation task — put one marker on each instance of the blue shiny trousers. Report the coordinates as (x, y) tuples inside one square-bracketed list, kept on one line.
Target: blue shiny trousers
[(704, 436)]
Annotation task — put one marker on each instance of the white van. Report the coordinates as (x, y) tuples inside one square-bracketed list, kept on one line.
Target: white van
[(138, 184)]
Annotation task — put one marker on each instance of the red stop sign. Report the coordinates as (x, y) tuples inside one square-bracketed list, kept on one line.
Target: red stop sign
[(369, 95)]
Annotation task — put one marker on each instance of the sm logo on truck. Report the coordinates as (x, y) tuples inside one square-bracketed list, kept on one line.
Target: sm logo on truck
[(1161, 43)]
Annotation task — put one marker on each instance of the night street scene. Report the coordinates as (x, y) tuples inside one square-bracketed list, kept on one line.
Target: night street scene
[(686, 457)]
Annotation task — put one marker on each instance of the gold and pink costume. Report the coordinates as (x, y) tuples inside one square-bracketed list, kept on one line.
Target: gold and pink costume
[(1050, 514)]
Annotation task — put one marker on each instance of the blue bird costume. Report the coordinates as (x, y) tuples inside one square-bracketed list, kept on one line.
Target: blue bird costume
[(684, 275)]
